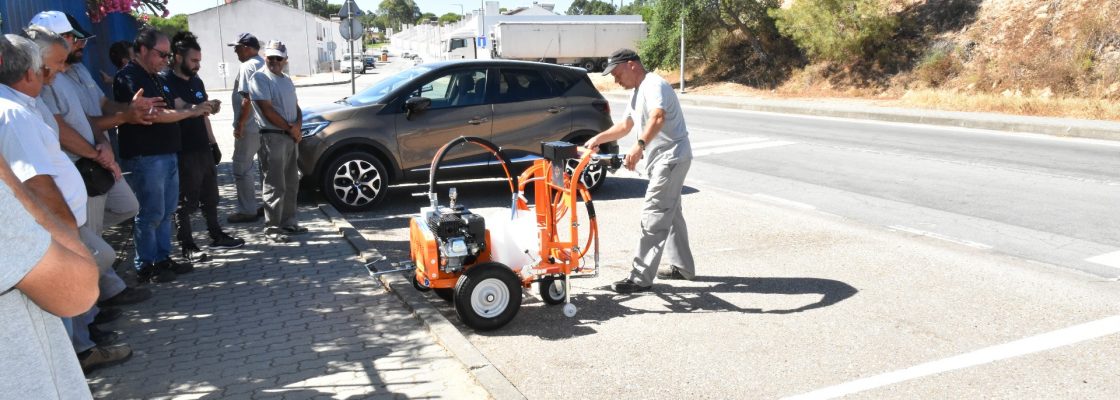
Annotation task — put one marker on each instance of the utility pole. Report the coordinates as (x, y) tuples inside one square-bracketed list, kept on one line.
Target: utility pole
[(682, 52)]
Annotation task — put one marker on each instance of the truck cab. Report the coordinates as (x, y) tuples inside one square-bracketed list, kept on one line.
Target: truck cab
[(459, 48)]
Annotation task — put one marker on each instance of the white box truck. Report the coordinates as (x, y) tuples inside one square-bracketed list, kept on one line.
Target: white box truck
[(584, 44)]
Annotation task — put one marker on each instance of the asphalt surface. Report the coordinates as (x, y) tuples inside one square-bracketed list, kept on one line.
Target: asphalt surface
[(897, 260)]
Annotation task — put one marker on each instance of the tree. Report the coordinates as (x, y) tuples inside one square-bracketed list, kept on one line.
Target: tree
[(636, 7), (837, 30), (169, 26), (425, 18), (591, 7), (450, 18), (321, 8), (398, 12), (738, 37)]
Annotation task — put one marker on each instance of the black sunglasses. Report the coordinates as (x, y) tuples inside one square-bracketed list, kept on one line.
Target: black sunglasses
[(161, 53), (275, 58)]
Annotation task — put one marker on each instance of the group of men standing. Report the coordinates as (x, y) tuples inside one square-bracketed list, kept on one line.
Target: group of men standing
[(54, 143)]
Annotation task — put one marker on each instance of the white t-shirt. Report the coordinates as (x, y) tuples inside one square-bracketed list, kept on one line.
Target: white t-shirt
[(671, 143), (38, 358), (32, 149), (63, 97)]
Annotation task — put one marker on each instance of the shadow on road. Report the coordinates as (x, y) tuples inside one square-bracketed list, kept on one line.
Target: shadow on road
[(595, 308)]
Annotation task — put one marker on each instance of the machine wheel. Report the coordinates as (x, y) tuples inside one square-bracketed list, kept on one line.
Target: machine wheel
[(487, 296), (552, 290), (354, 181), (593, 176), (416, 284), (445, 294)]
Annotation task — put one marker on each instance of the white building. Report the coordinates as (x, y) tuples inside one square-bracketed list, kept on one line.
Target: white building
[(309, 38)]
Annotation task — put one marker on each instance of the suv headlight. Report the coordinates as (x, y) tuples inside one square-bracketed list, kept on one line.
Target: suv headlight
[(313, 127)]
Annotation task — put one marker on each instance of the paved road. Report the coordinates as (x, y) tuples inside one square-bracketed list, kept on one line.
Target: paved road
[(1037, 197), (836, 257)]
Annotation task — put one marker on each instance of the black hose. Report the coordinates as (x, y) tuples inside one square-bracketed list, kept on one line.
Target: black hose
[(486, 144)]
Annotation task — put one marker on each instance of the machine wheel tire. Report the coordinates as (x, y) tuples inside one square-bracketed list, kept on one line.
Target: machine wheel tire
[(487, 296), (552, 290), (445, 294), (354, 181), (593, 176), (416, 284)]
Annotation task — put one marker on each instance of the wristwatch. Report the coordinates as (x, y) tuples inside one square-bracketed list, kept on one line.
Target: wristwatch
[(642, 144)]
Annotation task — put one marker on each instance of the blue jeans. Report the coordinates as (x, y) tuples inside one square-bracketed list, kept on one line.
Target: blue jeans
[(155, 180)]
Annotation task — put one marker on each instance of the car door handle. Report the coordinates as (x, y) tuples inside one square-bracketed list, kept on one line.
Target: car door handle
[(478, 120), (554, 110)]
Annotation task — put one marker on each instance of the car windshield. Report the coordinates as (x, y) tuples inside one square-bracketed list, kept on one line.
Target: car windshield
[(377, 92)]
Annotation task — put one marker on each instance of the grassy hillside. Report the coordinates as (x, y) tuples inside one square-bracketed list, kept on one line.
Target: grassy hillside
[(1036, 57)]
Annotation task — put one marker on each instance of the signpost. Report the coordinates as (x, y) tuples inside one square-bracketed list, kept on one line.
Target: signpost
[(351, 29)]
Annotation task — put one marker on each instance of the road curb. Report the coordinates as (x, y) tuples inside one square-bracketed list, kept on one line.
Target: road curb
[(489, 377), (1065, 127)]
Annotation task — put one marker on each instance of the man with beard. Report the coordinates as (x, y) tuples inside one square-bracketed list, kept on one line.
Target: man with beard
[(198, 178)]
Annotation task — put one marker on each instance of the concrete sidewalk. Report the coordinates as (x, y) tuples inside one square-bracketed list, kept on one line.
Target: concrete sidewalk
[(296, 320), (858, 109)]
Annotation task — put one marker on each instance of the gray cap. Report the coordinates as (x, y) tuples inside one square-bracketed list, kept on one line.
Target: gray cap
[(618, 57), (275, 48)]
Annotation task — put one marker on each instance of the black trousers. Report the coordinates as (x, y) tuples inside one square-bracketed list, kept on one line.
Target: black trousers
[(198, 186)]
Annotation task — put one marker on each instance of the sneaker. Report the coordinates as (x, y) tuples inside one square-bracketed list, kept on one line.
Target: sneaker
[(154, 274), (224, 241), (177, 268), (672, 274), (277, 237), (103, 356), (107, 315), (127, 296), (192, 253), (626, 286), (239, 218), (103, 338), (294, 230)]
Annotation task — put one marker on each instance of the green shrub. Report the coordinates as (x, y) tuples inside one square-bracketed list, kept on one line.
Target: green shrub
[(837, 30)]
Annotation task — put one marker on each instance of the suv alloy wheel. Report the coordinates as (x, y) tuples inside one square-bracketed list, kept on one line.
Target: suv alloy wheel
[(354, 181)]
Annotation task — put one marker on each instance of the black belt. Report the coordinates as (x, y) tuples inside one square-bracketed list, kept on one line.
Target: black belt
[(280, 131)]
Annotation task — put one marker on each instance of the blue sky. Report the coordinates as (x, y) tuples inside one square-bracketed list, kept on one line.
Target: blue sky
[(437, 7)]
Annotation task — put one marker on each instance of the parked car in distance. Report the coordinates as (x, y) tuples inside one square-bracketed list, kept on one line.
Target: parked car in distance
[(353, 149), (358, 60), (369, 62)]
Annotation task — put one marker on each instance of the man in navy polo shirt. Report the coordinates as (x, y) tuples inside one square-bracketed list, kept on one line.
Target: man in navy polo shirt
[(149, 155), (198, 178)]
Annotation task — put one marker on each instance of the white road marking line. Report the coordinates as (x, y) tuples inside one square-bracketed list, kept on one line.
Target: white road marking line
[(780, 201), (1109, 259), (725, 142), (751, 146), (1033, 344), (1027, 135), (968, 243)]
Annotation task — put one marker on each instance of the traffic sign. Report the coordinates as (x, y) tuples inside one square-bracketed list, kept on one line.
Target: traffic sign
[(349, 8), (351, 29)]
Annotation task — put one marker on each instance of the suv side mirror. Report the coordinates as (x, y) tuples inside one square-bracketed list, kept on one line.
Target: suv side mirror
[(416, 105)]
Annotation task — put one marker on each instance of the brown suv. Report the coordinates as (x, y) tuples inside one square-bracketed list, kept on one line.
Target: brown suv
[(387, 134)]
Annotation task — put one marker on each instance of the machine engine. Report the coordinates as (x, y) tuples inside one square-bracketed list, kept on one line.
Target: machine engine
[(460, 235)]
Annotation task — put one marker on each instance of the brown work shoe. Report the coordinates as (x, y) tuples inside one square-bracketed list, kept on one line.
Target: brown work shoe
[(104, 356)]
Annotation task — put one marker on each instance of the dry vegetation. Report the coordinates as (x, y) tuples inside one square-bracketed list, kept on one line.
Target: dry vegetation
[(1029, 57)]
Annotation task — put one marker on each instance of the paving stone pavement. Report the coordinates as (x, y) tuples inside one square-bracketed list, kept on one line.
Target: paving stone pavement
[(299, 320)]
